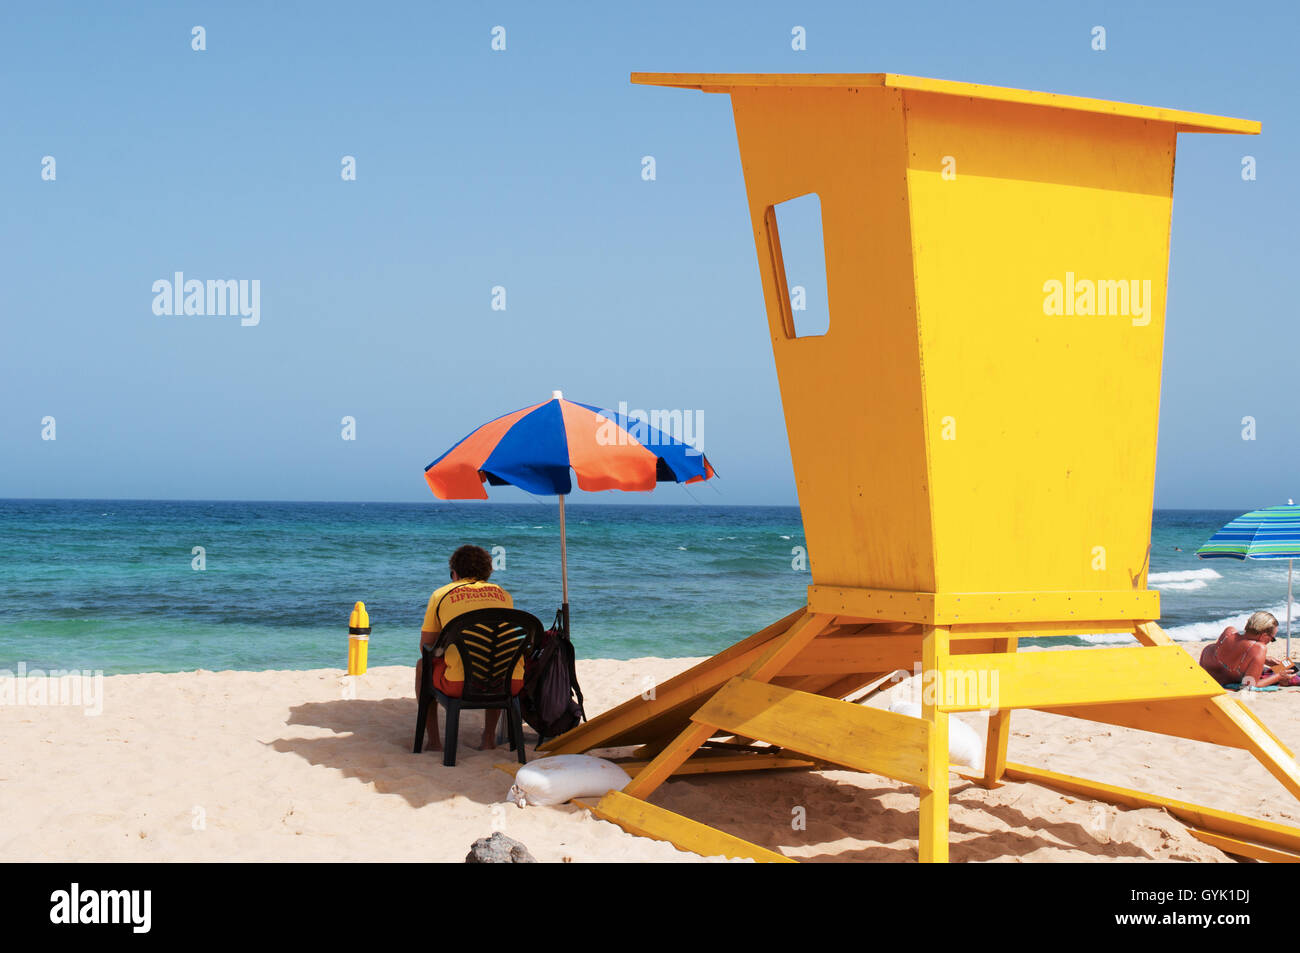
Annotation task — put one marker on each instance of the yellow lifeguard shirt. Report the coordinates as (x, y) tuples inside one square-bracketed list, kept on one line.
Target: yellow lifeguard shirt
[(457, 598)]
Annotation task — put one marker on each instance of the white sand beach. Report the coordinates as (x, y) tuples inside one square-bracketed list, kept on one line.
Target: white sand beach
[(279, 765)]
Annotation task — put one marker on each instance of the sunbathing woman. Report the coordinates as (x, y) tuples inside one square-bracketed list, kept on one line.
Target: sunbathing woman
[(1242, 656)]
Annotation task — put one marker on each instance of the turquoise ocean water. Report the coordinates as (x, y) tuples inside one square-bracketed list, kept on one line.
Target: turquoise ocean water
[(110, 584)]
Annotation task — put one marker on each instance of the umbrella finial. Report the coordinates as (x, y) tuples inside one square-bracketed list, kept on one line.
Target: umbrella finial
[(557, 395), (1289, 501)]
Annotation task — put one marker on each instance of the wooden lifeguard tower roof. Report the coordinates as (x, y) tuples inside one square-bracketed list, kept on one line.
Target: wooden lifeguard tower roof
[(1183, 120)]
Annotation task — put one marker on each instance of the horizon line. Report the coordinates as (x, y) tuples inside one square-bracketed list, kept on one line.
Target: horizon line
[(435, 501)]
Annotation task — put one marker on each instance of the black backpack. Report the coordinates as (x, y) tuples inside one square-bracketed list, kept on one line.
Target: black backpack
[(551, 698)]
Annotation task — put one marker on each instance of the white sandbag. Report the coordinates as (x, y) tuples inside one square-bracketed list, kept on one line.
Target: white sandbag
[(563, 777), (965, 746)]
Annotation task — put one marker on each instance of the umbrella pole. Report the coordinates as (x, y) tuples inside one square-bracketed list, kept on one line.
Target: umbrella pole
[(564, 574), (1290, 565)]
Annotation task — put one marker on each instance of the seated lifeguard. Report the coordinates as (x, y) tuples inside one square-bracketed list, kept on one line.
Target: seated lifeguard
[(1242, 657), (468, 590)]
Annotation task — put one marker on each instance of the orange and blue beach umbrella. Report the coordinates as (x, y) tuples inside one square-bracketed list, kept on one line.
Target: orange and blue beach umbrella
[(541, 448)]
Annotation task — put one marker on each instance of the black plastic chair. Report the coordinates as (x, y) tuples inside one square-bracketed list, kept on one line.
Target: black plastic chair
[(490, 643)]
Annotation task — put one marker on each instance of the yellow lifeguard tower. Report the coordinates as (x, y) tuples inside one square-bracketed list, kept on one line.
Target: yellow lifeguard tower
[(974, 443)]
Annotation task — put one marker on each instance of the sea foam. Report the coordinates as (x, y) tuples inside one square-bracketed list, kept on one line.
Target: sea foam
[(1184, 580), (1208, 631)]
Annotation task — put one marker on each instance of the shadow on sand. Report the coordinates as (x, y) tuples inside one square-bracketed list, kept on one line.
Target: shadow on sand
[(373, 740), (373, 744), (858, 813)]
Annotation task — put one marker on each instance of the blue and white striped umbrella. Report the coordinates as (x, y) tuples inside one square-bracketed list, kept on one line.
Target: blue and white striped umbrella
[(1270, 533)]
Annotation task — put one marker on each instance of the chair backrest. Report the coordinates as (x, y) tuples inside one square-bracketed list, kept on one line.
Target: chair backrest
[(490, 643)]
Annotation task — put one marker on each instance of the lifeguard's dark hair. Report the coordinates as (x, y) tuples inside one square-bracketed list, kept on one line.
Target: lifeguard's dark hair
[(471, 562)]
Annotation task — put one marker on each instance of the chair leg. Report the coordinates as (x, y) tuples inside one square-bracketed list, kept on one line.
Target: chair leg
[(422, 714), (517, 727), (423, 699), (453, 733), (508, 711)]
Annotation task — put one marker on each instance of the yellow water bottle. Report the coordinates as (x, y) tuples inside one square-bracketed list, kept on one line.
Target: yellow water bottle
[(358, 639)]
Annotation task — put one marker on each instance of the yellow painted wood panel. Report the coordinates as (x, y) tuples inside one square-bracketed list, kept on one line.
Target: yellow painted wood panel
[(864, 739), (645, 820), (866, 524), (1049, 481), (867, 603), (992, 611), (1071, 677), (848, 654), (1045, 606), (979, 630)]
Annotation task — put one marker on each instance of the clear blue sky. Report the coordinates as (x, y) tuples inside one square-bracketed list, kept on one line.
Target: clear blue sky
[(522, 168)]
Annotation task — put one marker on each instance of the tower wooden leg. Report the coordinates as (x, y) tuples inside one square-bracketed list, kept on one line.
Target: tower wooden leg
[(933, 846), (995, 750)]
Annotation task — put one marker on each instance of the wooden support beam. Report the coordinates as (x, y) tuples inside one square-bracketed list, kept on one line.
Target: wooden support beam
[(999, 733), (1250, 714), (660, 768), (847, 654), (977, 630), (813, 684), (648, 750), (849, 684), (706, 764), (781, 650), (1148, 633), (1204, 818), (1259, 741), (933, 844), (856, 737), (1241, 848), (645, 820), (726, 764), (973, 608), (830, 686)]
